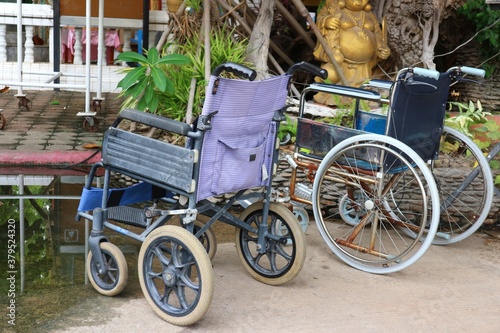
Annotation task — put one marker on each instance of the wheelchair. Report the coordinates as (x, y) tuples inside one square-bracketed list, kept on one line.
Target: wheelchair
[(460, 169), (230, 151), (379, 189)]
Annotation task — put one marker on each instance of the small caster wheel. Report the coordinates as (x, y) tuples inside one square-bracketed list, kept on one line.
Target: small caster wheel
[(207, 239), (3, 121), (91, 124), (23, 102), (115, 279), (302, 216)]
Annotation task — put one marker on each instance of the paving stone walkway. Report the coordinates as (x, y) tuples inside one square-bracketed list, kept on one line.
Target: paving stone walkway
[(49, 130)]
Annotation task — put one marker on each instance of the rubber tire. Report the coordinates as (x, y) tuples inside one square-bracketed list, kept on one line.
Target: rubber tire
[(477, 158), (297, 235), (188, 241), (389, 265), (118, 260)]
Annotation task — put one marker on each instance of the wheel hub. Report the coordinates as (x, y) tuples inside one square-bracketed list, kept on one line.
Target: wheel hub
[(169, 277), (369, 205)]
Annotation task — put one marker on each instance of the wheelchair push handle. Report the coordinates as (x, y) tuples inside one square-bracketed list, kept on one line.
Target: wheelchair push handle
[(472, 71), (310, 68), (426, 72), (237, 69)]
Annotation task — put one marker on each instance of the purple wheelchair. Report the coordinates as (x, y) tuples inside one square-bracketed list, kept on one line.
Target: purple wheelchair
[(231, 151)]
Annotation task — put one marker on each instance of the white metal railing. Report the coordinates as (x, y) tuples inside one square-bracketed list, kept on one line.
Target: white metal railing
[(42, 16), (36, 15)]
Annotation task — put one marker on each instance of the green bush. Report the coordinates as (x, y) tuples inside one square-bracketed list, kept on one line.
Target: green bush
[(143, 84), (162, 82), (483, 17)]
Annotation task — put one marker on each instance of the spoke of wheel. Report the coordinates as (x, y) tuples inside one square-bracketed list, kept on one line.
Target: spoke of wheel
[(179, 291), (153, 275), (166, 296), (111, 277), (159, 253), (271, 256), (279, 249), (186, 279), (464, 198)]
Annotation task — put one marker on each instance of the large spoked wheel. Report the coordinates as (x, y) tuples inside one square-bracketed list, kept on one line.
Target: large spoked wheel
[(176, 275), (465, 186), (114, 280), (284, 248), (391, 194), (207, 239)]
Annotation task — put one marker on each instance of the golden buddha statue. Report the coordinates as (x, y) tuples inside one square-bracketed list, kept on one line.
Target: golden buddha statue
[(355, 38)]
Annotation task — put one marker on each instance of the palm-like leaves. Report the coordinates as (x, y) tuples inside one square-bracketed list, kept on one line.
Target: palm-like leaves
[(141, 83)]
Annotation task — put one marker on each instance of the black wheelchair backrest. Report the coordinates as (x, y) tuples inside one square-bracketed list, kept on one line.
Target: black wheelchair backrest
[(416, 113)]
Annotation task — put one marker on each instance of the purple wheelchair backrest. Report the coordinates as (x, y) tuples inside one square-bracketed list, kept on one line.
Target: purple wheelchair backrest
[(237, 152)]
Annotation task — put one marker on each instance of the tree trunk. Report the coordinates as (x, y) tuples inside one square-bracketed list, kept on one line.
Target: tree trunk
[(430, 31), (258, 47), (413, 30)]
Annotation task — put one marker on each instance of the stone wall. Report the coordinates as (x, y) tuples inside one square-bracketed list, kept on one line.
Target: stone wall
[(488, 92)]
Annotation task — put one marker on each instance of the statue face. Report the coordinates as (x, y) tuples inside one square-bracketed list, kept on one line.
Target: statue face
[(356, 5)]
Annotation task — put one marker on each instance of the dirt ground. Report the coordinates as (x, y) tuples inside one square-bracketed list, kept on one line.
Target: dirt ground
[(224, 232), (451, 289)]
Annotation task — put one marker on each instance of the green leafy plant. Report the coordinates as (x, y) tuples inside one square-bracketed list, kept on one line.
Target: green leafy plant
[(194, 5), (151, 85), (37, 242), (484, 18), (142, 84), (287, 130), (341, 117), (472, 120), (469, 114), (223, 48), (495, 165), (343, 112)]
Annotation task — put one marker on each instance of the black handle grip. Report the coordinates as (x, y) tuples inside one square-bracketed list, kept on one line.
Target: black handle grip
[(310, 68), (315, 70), (237, 69)]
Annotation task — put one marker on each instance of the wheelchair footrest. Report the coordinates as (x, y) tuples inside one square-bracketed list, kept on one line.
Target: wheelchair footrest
[(128, 215)]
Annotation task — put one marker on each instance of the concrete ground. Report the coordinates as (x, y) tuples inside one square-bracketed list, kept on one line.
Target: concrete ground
[(450, 289)]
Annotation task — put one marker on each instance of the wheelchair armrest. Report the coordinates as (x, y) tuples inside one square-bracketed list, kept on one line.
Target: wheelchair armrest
[(345, 91), (153, 120), (380, 84)]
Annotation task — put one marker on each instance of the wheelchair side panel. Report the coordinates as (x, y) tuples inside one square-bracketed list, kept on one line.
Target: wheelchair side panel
[(147, 158), (316, 139)]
